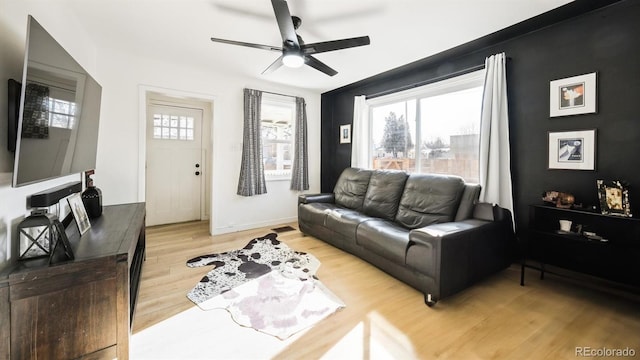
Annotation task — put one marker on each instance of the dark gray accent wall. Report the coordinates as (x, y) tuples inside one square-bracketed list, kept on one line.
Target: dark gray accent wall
[(581, 37)]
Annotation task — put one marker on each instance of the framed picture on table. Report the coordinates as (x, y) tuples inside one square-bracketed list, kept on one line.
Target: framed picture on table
[(614, 198), (79, 213)]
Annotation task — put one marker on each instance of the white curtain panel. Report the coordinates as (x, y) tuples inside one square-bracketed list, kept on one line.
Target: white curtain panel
[(360, 133), (495, 159)]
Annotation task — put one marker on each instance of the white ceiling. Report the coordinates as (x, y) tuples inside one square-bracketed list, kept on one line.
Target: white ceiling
[(401, 31)]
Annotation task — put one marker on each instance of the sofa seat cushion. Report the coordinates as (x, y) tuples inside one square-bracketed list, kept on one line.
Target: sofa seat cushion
[(351, 188), (429, 199), (345, 221), (384, 193), (314, 213), (384, 238)]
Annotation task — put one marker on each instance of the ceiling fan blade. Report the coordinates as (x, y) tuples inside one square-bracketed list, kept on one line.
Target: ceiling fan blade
[(274, 66), (325, 46), (319, 65), (252, 45), (285, 24)]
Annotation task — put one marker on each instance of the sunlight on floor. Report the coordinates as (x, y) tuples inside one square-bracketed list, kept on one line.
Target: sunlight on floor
[(373, 338), (199, 334), (212, 334)]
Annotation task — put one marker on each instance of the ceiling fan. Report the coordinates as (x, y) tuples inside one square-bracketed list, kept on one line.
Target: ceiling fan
[(295, 52)]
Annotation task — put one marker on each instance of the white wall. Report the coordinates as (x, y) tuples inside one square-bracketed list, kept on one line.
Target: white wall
[(118, 166), (122, 76)]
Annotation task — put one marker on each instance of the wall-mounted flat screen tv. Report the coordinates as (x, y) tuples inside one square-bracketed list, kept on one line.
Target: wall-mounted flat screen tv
[(59, 112)]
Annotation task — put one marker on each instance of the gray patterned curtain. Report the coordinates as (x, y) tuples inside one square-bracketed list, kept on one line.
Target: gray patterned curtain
[(300, 171), (252, 181), (35, 119)]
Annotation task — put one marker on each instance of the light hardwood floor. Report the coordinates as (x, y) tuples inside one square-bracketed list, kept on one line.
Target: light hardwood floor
[(495, 319)]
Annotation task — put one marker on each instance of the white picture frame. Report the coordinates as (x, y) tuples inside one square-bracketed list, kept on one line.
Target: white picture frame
[(345, 134), (573, 95), (79, 213), (572, 150)]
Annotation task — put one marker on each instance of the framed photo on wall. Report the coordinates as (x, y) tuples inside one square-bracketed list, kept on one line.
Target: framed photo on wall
[(572, 150), (345, 134), (572, 96)]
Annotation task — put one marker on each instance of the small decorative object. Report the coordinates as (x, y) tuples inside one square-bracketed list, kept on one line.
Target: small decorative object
[(550, 196), (565, 225), (37, 235), (572, 150), (40, 234), (92, 197), (573, 95), (79, 213), (614, 198), (345, 134), (559, 199), (565, 201)]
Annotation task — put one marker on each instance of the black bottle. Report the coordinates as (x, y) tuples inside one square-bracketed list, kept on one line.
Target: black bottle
[(92, 200)]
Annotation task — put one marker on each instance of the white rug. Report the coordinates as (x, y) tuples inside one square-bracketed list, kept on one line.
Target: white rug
[(277, 305), (266, 286)]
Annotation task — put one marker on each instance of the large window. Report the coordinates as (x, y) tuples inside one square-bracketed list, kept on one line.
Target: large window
[(278, 117), (431, 129)]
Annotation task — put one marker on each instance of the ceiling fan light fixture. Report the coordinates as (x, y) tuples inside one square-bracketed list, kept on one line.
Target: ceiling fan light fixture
[(293, 60)]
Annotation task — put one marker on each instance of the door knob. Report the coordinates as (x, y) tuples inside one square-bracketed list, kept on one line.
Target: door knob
[(197, 173), (197, 165)]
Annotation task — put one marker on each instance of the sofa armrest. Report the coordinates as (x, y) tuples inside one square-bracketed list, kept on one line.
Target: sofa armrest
[(490, 212), (457, 254), (316, 198)]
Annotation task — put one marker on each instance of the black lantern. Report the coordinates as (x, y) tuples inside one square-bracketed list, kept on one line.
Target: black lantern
[(40, 234)]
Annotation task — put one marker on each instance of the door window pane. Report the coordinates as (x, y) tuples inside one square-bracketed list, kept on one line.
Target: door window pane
[(172, 127)]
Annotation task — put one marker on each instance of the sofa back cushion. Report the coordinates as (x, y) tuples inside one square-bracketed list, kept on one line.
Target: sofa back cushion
[(429, 199), (351, 188), (384, 193), (468, 201)]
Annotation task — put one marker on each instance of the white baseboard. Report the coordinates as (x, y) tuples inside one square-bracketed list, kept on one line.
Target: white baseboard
[(242, 227)]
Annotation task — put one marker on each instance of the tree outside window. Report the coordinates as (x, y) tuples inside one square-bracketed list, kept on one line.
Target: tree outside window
[(397, 137)]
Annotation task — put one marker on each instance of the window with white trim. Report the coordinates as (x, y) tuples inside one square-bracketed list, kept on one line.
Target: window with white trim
[(277, 119), (434, 128), (62, 107)]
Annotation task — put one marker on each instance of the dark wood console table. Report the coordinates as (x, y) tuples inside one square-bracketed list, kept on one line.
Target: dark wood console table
[(615, 258), (81, 308)]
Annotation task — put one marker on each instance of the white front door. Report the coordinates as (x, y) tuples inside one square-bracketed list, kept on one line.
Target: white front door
[(175, 175)]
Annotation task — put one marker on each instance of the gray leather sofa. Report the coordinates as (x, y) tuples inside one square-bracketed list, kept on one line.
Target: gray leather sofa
[(427, 230)]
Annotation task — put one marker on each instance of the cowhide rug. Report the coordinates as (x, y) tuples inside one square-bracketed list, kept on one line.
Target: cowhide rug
[(265, 285)]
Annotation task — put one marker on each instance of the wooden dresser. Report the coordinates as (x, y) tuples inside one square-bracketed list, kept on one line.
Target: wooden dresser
[(81, 308)]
